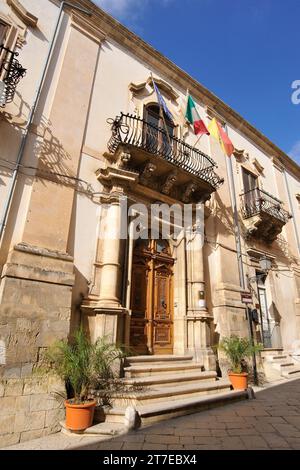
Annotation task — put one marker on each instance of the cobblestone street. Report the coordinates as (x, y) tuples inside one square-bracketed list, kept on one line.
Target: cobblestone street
[(271, 421)]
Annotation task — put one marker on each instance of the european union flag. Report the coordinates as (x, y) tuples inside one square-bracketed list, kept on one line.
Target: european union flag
[(162, 102)]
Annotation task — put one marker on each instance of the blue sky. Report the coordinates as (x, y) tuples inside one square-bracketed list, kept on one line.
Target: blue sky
[(245, 51)]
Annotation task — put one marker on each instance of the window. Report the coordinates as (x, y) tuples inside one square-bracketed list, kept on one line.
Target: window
[(249, 181), (155, 134), (250, 185)]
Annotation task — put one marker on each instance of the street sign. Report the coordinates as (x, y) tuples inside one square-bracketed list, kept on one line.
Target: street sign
[(246, 298)]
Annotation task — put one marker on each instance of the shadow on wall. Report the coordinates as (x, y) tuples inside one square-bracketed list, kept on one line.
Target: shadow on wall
[(79, 293), (49, 162), (222, 214)]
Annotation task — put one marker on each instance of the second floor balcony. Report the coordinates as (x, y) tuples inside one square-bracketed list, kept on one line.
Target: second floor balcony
[(11, 72), (174, 162), (263, 214)]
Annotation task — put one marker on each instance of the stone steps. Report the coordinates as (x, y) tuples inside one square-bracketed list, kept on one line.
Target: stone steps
[(291, 372), (281, 365), (157, 369), (157, 412), (168, 379), (159, 359), (163, 387), (156, 394)]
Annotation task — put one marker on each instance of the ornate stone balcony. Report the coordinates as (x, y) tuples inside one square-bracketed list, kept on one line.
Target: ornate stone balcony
[(11, 72), (164, 163), (263, 214)]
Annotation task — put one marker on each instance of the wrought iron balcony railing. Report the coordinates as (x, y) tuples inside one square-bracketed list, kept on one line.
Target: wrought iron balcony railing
[(11, 73), (133, 131), (257, 201)]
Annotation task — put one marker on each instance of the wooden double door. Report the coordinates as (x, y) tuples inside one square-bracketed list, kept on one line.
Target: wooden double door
[(151, 328)]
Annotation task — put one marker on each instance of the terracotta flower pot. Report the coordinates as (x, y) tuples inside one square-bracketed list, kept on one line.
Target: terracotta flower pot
[(79, 417), (238, 381)]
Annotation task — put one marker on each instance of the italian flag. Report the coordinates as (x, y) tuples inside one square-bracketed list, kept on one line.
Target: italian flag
[(193, 117)]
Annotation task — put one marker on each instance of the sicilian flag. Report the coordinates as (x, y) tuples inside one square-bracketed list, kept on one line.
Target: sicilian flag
[(193, 117), (217, 131), (162, 102)]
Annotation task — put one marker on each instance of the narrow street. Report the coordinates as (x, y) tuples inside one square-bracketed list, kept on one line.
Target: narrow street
[(270, 421)]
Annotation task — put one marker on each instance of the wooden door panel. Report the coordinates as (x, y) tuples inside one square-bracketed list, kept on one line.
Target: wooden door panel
[(163, 310), (138, 327)]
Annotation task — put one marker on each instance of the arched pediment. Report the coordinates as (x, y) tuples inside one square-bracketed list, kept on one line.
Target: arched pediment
[(252, 165), (146, 88)]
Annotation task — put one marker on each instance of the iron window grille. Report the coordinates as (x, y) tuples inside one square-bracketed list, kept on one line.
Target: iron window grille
[(257, 200), (11, 72)]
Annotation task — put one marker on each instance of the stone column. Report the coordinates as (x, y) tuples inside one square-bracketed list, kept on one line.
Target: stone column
[(199, 320), (105, 299)]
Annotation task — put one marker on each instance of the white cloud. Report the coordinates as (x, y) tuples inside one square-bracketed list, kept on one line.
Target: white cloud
[(121, 8), (295, 151)]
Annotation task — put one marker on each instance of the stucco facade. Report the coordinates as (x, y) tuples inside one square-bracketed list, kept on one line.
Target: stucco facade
[(58, 269)]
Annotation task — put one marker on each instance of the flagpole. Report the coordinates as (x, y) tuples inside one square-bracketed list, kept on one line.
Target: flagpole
[(198, 140), (162, 114)]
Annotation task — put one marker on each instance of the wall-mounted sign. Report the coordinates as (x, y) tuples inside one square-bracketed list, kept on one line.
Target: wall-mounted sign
[(246, 298)]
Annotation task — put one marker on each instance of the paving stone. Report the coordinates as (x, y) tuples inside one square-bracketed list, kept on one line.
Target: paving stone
[(148, 446), (132, 446), (242, 432), (219, 432), (254, 442), (192, 432), (287, 430), (234, 443), (294, 443), (160, 439), (275, 441)]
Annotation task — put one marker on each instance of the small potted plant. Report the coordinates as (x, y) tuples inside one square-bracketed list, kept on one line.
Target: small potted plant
[(82, 365), (237, 350)]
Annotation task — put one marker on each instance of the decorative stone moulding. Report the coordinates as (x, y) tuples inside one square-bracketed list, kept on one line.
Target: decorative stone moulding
[(146, 86), (82, 24), (28, 18)]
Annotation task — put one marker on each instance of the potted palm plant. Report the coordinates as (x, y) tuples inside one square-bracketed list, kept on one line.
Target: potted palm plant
[(82, 365), (237, 350)]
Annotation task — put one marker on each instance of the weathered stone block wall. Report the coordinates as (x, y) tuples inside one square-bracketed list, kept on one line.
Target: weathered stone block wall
[(29, 408), (35, 310)]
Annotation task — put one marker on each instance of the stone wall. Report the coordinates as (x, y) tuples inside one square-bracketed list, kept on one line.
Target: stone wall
[(29, 408), (35, 310)]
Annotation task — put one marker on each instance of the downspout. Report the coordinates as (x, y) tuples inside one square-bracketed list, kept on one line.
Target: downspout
[(237, 233), (292, 210), (20, 155)]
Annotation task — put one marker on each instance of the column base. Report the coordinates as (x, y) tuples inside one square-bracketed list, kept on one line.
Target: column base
[(199, 337), (109, 322)]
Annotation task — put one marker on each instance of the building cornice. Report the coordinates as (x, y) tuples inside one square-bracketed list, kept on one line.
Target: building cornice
[(28, 18), (158, 62)]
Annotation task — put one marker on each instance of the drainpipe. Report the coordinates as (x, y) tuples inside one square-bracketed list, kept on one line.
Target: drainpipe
[(21, 151), (237, 232), (292, 210), (238, 241)]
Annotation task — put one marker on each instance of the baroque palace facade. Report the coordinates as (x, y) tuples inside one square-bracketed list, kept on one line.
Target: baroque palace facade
[(95, 140)]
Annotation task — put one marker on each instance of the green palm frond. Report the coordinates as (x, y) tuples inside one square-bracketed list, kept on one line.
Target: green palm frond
[(82, 363), (238, 349)]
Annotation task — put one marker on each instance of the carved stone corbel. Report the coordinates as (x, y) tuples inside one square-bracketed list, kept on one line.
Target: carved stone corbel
[(124, 158), (169, 183), (147, 172), (189, 191)]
